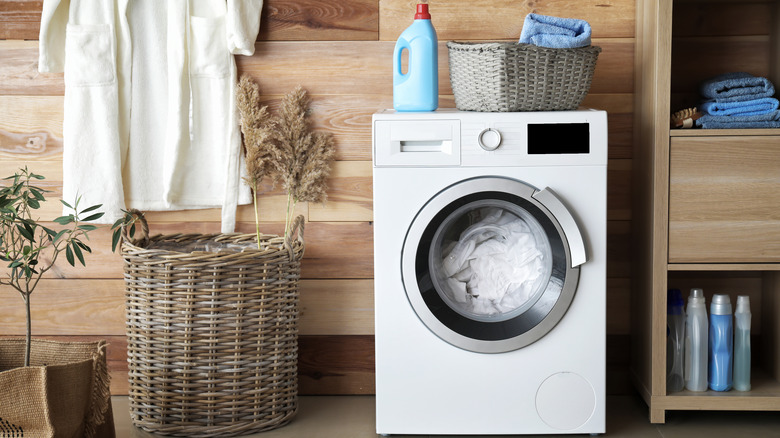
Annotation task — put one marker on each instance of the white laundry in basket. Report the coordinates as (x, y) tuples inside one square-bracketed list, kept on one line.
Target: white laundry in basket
[(495, 265)]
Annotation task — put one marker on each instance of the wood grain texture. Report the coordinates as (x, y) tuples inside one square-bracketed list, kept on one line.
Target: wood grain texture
[(281, 20), (337, 73), (20, 19), (306, 20), (336, 365), (347, 117), (466, 20), (85, 307), (724, 203)]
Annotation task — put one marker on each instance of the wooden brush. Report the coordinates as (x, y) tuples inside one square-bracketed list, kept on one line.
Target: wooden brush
[(684, 118)]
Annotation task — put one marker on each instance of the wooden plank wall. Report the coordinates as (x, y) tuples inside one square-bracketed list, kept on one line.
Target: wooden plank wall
[(341, 52)]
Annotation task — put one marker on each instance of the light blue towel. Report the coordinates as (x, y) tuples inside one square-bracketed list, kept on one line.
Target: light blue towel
[(768, 120), (740, 108), (555, 32), (739, 86)]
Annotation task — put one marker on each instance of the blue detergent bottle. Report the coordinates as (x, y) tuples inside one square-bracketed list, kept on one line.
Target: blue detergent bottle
[(418, 88), (721, 343)]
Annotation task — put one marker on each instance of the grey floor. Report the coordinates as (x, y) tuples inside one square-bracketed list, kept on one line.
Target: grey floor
[(353, 417)]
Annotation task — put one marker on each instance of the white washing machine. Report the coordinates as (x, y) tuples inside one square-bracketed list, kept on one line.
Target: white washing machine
[(490, 272)]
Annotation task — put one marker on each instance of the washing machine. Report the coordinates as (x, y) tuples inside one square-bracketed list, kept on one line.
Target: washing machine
[(490, 272)]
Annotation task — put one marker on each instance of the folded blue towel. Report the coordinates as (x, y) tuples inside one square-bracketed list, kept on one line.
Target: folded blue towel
[(767, 124), (555, 32), (739, 86), (768, 120), (740, 108)]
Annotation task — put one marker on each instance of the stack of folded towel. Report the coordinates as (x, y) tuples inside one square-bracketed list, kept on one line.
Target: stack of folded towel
[(738, 100), (555, 32)]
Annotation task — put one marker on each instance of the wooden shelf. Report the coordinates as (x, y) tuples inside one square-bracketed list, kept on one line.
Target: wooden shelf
[(764, 395), (722, 132), (706, 199), (723, 267)]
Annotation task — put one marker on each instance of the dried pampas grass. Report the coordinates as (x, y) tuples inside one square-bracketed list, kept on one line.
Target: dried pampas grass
[(283, 147)]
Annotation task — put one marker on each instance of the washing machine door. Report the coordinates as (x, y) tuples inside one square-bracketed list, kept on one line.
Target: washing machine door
[(491, 264)]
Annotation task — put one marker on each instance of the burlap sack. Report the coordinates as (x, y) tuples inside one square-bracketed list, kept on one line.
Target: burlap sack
[(64, 393)]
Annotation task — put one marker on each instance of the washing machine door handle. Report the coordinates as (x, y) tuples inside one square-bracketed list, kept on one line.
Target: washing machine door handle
[(550, 201)]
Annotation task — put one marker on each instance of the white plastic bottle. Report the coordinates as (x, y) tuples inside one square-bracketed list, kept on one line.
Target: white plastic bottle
[(696, 342), (675, 326), (742, 344)]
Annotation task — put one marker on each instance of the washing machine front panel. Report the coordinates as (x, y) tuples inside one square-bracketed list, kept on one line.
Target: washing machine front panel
[(488, 267)]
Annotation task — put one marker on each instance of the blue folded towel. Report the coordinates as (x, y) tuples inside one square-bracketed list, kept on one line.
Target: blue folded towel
[(740, 108), (739, 86), (767, 120), (768, 124), (555, 32)]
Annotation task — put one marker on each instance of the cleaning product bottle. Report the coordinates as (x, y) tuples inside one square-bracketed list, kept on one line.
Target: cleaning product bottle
[(418, 88), (696, 340), (675, 339), (742, 344), (721, 343)]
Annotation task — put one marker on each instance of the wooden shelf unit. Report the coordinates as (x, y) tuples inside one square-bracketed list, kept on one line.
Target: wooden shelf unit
[(706, 203)]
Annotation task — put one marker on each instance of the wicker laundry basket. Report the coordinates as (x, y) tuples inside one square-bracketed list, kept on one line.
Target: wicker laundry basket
[(212, 333), (504, 76)]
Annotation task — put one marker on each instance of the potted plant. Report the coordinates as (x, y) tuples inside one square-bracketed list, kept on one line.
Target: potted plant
[(47, 388)]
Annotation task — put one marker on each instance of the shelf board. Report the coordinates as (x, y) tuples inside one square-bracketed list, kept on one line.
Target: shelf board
[(721, 132), (723, 267), (764, 396)]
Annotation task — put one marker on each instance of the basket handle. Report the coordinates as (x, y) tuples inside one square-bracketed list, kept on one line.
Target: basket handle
[(297, 228), (137, 215)]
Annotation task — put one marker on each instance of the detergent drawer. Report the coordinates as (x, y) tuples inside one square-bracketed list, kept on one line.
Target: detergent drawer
[(417, 143)]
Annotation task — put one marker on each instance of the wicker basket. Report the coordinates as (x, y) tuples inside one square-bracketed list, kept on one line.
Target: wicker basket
[(519, 77), (212, 336)]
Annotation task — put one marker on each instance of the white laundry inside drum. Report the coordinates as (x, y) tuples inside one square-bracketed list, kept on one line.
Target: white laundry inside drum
[(490, 260)]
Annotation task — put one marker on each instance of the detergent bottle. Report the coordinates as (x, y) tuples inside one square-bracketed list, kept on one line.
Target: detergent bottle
[(696, 342), (721, 344), (742, 318), (675, 340), (418, 88)]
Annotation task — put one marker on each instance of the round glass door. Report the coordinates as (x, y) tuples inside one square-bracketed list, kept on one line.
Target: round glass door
[(487, 267)]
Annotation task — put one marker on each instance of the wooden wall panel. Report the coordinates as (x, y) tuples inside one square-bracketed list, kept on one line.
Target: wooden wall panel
[(340, 52), (498, 19), (282, 20), (306, 20)]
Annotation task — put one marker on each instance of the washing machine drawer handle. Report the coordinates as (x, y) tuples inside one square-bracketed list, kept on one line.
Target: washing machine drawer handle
[(573, 236)]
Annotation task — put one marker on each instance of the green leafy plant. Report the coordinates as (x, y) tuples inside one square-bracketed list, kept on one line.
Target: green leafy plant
[(30, 248), (127, 221)]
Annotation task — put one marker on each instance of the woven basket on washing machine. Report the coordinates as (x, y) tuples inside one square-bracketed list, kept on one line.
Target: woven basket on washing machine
[(507, 76)]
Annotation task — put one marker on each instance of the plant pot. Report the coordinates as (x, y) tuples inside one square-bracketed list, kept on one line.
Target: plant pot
[(63, 393)]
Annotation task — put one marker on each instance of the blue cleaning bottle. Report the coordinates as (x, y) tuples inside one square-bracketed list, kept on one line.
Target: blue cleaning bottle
[(721, 343), (418, 88)]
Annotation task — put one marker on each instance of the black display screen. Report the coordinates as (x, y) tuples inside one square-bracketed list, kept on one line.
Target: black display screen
[(558, 138)]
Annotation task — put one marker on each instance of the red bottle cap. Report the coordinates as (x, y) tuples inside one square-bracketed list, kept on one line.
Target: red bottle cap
[(422, 12)]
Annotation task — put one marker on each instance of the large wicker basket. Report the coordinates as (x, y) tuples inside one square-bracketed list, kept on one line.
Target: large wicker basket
[(212, 333), (519, 77)]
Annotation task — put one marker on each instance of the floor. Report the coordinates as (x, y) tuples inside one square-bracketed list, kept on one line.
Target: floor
[(353, 417)]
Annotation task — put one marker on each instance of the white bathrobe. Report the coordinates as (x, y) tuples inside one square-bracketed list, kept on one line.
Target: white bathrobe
[(150, 119)]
